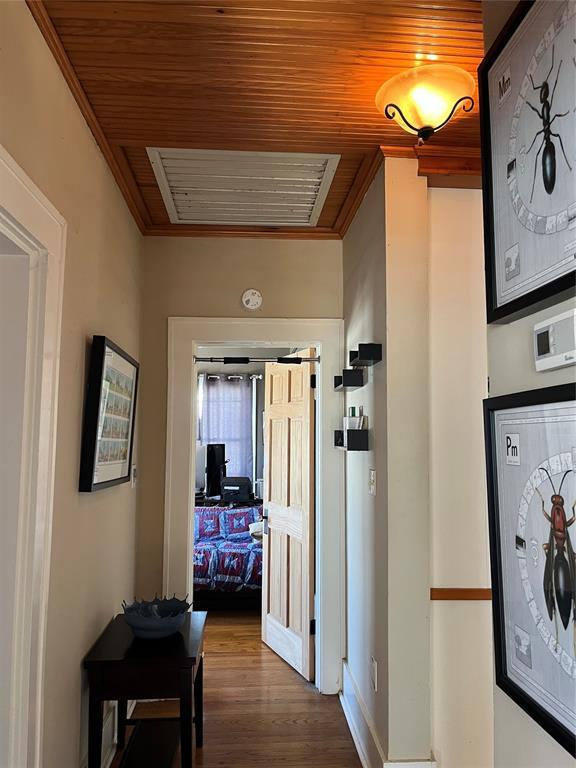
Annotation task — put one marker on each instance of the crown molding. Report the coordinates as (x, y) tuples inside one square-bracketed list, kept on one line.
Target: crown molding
[(288, 233)]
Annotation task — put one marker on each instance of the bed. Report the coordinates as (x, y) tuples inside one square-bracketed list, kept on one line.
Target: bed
[(226, 558)]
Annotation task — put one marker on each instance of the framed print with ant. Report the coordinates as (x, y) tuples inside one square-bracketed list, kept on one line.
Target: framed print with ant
[(527, 87), (531, 471)]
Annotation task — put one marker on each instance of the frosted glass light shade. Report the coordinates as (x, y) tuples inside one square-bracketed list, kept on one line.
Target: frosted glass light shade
[(421, 100)]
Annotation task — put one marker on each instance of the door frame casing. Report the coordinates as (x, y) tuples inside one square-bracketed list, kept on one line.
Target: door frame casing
[(185, 335), (39, 230)]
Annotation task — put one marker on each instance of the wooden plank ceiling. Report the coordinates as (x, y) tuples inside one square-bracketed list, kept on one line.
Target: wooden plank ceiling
[(262, 75)]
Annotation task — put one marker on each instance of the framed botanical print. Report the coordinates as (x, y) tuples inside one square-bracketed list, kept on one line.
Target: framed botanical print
[(527, 88), (109, 415), (531, 469)]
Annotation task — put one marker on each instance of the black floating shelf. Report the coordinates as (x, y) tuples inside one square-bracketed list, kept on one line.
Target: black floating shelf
[(352, 378), (366, 355), (357, 439)]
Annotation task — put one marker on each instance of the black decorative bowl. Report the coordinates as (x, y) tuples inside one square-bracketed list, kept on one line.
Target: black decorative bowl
[(155, 619)]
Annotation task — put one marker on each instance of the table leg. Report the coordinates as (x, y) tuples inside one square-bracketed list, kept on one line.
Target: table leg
[(186, 707), (121, 731), (199, 703), (95, 721)]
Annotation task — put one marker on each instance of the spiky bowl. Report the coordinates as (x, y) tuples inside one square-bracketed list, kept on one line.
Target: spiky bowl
[(155, 619)]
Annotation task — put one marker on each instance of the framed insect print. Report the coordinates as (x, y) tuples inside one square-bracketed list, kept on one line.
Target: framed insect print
[(109, 414), (527, 87), (531, 469)]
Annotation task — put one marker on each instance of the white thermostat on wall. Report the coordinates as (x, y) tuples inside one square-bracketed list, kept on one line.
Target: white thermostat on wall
[(252, 299), (555, 341)]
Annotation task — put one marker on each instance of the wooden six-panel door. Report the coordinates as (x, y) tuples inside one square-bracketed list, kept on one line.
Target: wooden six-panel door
[(288, 563)]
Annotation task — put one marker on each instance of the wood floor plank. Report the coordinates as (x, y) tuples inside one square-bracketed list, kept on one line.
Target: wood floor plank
[(259, 712)]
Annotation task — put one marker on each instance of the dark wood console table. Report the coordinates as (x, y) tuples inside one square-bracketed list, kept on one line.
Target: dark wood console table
[(121, 667)]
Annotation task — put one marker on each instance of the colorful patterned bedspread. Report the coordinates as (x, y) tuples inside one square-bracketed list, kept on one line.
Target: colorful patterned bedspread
[(225, 556)]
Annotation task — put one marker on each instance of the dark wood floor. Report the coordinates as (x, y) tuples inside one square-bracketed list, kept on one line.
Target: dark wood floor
[(258, 711)]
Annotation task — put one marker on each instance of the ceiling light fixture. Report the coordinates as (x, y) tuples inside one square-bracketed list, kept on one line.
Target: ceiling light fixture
[(422, 100)]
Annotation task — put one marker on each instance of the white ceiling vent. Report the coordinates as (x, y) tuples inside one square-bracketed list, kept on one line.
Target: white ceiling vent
[(265, 189)]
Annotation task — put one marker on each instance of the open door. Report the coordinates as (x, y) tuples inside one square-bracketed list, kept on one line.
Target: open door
[(288, 562)]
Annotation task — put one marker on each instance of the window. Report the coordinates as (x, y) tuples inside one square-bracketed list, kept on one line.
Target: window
[(225, 416)]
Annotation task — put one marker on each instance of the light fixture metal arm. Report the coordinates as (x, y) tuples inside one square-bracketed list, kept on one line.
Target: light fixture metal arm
[(426, 131), (467, 105), (391, 114)]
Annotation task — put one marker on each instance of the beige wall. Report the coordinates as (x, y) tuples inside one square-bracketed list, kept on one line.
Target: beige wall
[(205, 277), (93, 535), (366, 515), (386, 300), (407, 383), (518, 741), (436, 357), (413, 278), (461, 631)]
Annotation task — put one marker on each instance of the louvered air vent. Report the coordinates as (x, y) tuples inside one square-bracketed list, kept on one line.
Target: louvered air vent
[(265, 189)]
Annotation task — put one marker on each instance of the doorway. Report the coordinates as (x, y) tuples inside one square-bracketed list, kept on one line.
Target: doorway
[(32, 242), (254, 510), (228, 520), (186, 337)]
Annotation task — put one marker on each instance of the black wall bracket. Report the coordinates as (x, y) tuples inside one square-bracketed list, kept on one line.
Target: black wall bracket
[(366, 355)]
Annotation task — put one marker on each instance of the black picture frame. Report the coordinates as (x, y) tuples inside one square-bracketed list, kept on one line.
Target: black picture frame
[(558, 289), (538, 397), (101, 404)]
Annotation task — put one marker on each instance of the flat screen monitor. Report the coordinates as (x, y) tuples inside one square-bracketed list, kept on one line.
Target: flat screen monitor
[(215, 468)]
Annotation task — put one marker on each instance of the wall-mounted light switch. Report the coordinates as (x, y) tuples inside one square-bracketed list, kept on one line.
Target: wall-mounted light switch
[(372, 482), (133, 476)]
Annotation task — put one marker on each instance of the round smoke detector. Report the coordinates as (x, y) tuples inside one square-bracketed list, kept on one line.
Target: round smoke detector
[(252, 299)]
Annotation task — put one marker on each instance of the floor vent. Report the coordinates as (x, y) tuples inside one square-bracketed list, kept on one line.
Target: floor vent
[(264, 189)]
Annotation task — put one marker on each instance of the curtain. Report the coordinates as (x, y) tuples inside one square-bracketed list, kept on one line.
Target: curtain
[(226, 417)]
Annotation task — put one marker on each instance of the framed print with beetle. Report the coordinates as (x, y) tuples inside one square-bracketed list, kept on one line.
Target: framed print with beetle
[(527, 87), (109, 415), (531, 471)]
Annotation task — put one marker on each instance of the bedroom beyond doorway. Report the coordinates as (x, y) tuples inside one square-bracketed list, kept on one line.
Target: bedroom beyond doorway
[(254, 510), (229, 448)]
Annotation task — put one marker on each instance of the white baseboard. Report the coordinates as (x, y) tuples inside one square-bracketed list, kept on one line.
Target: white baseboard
[(360, 723), (412, 764), (109, 735)]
